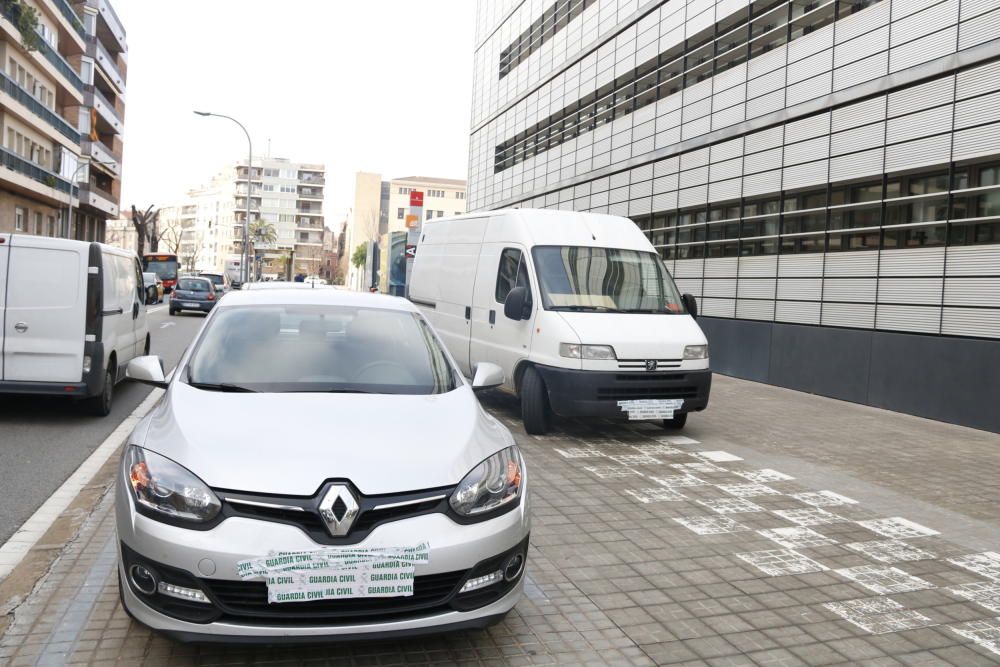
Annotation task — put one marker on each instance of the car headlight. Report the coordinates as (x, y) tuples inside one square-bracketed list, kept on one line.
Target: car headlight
[(696, 352), (494, 483), (595, 352), (160, 485)]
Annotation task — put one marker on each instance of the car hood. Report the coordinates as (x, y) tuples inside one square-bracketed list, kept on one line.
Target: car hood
[(289, 444), (637, 335)]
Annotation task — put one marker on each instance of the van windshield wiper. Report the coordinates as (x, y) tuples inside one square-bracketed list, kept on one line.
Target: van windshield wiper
[(222, 386), (601, 309)]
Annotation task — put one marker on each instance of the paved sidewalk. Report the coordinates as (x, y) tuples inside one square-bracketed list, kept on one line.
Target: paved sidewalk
[(780, 529)]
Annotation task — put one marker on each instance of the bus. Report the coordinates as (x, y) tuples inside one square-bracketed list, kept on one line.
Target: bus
[(164, 266)]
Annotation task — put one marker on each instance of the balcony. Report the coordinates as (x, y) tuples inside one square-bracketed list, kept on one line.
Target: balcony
[(105, 109), (306, 210), (71, 16), (106, 63), (10, 87), (50, 54), (102, 153), (110, 29), (94, 197), (33, 171), (310, 193), (314, 178)]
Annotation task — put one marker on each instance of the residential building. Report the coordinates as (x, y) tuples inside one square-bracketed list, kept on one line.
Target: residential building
[(381, 206), (61, 117), (823, 175)]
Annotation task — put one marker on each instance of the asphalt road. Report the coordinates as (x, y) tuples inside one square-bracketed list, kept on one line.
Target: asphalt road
[(43, 440)]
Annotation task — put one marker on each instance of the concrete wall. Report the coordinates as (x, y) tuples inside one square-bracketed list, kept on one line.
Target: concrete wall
[(945, 378)]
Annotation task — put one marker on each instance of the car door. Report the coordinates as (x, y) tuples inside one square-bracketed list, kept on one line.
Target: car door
[(496, 338), (45, 318), (140, 326)]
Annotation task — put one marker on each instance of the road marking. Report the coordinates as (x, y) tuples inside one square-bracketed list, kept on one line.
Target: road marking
[(150, 311), (168, 324), (14, 550)]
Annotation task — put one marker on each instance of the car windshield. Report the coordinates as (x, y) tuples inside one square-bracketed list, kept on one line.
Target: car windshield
[(605, 280), (308, 348), (193, 285)]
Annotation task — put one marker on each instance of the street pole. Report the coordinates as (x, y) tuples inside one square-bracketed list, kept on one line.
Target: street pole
[(245, 271)]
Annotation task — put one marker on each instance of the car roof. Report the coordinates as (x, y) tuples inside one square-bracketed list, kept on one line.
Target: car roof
[(315, 297)]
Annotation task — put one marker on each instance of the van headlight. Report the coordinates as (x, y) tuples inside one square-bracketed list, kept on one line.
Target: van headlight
[(496, 482), (593, 352), (696, 352), (164, 487)]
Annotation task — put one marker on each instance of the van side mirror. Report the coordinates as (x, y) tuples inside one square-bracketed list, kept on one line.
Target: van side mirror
[(147, 370), (691, 304), (486, 376), (513, 305)]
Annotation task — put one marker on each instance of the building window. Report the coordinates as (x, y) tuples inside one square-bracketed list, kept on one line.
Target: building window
[(427, 214), (52, 225), (39, 230), (399, 213), (440, 214), (20, 218)]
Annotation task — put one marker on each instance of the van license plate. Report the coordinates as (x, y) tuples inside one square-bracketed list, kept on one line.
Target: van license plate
[(189, 304), (651, 408)]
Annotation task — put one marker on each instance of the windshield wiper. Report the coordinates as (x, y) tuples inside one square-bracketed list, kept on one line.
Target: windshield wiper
[(224, 386), (326, 391), (603, 309), (646, 310)]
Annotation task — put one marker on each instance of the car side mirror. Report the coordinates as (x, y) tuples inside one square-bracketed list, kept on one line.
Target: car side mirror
[(691, 304), (487, 376), (513, 305), (147, 370)]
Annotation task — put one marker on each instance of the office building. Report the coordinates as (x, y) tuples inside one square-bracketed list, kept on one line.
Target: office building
[(823, 175)]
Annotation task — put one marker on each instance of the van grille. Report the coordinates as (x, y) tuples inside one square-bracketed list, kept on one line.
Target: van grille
[(640, 364)]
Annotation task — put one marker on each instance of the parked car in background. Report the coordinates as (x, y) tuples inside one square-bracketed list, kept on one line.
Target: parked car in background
[(153, 287), (194, 293), (73, 314), (220, 280), (314, 280), (423, 529), (577, 308)]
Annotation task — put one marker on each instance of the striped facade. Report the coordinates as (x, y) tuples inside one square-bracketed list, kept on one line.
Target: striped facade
[(814, 172)]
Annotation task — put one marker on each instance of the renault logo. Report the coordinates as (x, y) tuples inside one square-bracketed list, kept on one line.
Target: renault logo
[(650, 364), (338, 509)]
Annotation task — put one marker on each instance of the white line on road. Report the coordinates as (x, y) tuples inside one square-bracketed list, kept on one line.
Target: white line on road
[(168, 324), (14, 550), (150, 311)]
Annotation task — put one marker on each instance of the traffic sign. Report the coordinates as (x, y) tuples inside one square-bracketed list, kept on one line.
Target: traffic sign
[(416, 198), (412, 221), (411, 251)]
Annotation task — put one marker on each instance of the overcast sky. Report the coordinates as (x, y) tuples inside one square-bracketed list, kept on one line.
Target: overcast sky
[(370, 85)]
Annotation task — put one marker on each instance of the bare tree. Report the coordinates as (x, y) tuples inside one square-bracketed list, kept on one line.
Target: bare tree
[(171, 236), (190, 251), (145, 224)]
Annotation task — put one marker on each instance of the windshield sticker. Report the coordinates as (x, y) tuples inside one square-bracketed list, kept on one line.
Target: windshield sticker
[(334, 573), (650, 408)]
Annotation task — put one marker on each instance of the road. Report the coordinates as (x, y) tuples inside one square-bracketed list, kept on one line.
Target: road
[(44, 439)]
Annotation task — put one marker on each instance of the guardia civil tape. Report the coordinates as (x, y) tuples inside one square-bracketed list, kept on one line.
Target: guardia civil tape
[(651, 408)]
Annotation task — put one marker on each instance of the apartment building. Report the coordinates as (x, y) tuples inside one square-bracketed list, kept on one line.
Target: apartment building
[(824, 175), (380, 208), (62, 83)]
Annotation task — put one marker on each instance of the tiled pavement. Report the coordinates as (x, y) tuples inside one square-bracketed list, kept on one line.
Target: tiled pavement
[(780, 529)]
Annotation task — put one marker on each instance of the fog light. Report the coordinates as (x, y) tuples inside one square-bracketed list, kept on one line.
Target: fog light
[(514, 566), (143, 580), (190, 594), (476, 583)]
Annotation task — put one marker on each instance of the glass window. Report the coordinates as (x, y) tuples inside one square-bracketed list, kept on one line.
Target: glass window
[(802, 244), (974, 233), (194, 285), (854, 218), (510, 261), (851, 242), (914, 237), (803, 222), (604, 279), (20, 218), (925, 209), (324, 349)]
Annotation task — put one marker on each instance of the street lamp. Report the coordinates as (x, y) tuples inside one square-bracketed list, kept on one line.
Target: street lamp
[(245, 255), (69, 215)]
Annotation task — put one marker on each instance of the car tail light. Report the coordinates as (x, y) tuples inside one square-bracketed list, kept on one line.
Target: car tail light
[(211, 297)]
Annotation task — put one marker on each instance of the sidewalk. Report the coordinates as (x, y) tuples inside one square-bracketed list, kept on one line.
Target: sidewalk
[(781, 529)]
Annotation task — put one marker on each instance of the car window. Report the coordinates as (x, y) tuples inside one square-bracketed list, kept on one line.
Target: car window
[(193, 285), (308, 348)]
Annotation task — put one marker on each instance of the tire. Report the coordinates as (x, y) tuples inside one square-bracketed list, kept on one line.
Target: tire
[(677, 422), (100, 405), (535, 411), (145, 350), (174, 311)]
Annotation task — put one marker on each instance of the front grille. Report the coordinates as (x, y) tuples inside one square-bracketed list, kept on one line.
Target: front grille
[(248, 599), (636, 386), (640, 364)]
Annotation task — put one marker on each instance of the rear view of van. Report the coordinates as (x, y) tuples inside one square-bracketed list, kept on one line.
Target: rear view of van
[(72, 314), (577, 308)]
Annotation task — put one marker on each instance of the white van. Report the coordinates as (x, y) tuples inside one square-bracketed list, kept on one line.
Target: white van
[(577, 309), (73, 314)]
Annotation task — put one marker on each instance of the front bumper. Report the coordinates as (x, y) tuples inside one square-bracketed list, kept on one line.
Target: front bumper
[(578, 393), (207, 560)]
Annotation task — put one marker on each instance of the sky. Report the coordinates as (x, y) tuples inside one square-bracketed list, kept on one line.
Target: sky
[(360, 85)]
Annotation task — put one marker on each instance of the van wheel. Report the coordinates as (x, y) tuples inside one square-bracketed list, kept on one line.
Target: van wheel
[(145, 350), (677, 422), (535, 411), (100, 405)]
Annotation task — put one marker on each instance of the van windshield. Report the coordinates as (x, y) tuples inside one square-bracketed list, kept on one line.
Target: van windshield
[(605, 280)]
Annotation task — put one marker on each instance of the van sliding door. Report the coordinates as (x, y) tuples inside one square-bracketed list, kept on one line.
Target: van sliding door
[(3, 295)]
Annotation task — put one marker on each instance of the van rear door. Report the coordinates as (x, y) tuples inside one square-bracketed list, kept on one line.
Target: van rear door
[(46, 306), (4, 240)]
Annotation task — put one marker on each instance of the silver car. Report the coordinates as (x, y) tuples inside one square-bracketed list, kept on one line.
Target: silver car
[(319, 469)]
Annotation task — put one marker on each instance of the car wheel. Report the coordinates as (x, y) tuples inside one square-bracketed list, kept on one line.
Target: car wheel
[(677, 422), (100, 405), (535, 410), (174, 311)]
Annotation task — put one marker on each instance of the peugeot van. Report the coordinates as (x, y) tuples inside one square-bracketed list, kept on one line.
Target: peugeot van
[(576, 308), (73, 314)]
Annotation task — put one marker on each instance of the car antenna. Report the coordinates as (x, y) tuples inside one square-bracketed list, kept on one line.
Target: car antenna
[(589, 230)]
